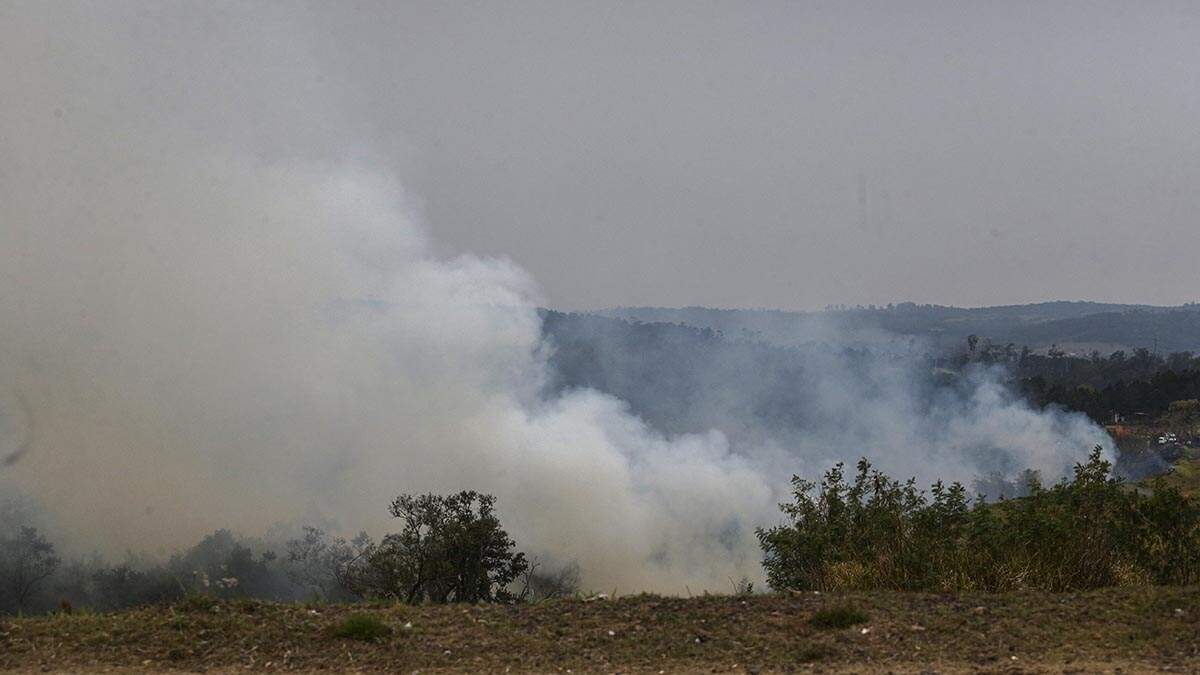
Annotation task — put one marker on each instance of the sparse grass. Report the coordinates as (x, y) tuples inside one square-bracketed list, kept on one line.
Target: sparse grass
[(1146, 629), (840, 616), (363, 627), (813, 653), (1184, 476), (198, 602)]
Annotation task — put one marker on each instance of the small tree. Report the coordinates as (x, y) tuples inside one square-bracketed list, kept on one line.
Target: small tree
[(319, 563), (26, 560), (451, 549)]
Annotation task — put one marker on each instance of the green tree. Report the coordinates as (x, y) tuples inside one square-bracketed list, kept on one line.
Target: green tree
[(451, 549)]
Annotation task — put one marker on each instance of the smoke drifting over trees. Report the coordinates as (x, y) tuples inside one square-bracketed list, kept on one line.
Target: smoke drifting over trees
[(198, 331)]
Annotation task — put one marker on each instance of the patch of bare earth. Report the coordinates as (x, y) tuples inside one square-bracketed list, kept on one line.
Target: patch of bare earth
[(1115, 630)]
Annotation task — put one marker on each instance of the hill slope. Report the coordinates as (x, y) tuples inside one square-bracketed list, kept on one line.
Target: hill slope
[(1079, 325)]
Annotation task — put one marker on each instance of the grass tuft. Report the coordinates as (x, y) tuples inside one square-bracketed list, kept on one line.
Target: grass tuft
[(364, 627), (840, 616), (198, 602)]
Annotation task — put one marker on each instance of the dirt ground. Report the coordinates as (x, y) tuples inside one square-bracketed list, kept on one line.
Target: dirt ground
[(1115, 630)]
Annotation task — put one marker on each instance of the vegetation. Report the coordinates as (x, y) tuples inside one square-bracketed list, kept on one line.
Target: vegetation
[(362, 626), (877, 533), (1039, 325), (866, 533), (838, 616), (761, 356), (1140, 384), (26, 561), (1147, 629), (451, 549), (1184, 477), (320, 563), (845, 536)]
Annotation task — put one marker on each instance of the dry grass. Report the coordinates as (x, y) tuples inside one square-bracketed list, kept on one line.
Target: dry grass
[(1131, 628), (1184, 476)]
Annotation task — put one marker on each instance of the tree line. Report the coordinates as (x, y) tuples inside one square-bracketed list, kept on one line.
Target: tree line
[(865, 533), (450, 548), (1139, 384)]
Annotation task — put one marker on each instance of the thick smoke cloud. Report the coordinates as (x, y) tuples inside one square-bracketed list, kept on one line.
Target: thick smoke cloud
[(234, 342), (198, 331), (835, 393)]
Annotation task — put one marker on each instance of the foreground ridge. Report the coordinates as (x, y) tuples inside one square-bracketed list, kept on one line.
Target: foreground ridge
[(1128, 629)]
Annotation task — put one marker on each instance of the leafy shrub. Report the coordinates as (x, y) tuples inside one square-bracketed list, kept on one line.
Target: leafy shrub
[(452, 549), (364, 627), (875, 532), (839, 616)]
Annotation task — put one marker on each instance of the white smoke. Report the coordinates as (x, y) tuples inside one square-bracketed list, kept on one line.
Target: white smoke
[(236, 343), (196, 334)]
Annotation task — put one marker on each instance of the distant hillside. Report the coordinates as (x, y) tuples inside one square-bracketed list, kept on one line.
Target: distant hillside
[(682, 379), (1073, 326)]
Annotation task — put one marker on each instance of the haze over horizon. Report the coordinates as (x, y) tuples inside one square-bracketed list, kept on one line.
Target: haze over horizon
[(783, 155), (877, 305)]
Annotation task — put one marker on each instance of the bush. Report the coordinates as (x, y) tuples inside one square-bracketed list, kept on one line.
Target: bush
[(841, 616), (452, 549), (364, 627), (223, 564), (124, 585), (877, 533)]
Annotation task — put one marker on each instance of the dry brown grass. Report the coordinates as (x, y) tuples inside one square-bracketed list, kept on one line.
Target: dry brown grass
[(1135, 629)]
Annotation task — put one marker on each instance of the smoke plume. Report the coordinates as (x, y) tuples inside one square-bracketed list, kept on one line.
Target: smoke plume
[(207, 320)]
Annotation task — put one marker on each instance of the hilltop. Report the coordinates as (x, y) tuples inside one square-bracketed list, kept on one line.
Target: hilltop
[(1079, 326), (1115, 630)]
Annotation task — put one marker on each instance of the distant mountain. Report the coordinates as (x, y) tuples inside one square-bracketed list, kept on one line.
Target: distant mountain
[(1073, 326)]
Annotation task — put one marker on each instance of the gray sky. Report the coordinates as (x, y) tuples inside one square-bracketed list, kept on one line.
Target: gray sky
[(723, 154)]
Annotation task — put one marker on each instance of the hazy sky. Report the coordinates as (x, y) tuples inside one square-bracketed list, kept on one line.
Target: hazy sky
[(785, 154)]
